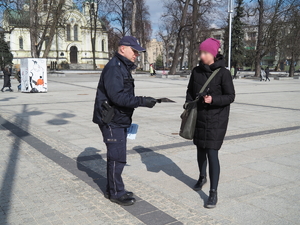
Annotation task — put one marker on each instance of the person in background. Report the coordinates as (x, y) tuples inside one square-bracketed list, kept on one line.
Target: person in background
[(267, 70), (232, 71), (213, 113), (114, 105), (18, 77), (6, 82), (262, 74), (235, 73), (151, 70)]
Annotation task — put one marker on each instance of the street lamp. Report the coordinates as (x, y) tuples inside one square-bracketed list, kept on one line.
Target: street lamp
[(230, 12)]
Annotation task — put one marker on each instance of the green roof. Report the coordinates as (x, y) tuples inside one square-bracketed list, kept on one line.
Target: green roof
[(17, 18)]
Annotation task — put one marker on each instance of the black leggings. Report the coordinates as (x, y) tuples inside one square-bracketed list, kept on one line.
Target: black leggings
[(214, 165)]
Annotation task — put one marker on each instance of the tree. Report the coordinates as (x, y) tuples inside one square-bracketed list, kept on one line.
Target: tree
[(159, 61), (130, 17), (270, 20), (292, 39), (249, 58), (97, 13), (166, 34), (259, 45), (94, 25), (238, 49), (6, 11), (188, 20), (174, 7), (237, 36), (119, 15), (133, 30), (140, 26), (198, 24), (57, 13), (143, 28), (43, 21), (113, 37), (5, 55)]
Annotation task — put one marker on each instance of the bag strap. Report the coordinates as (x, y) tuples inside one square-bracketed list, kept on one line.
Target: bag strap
[(209, 80)]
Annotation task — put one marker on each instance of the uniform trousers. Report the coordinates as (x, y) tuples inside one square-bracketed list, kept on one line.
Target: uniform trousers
[(115, 140)]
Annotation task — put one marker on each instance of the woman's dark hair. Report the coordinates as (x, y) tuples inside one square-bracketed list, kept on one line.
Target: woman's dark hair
[(218, 57)]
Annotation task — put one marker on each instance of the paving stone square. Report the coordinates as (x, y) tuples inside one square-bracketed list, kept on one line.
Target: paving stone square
[(52, 158)]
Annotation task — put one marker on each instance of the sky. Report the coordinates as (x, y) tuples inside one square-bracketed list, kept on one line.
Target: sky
[(156, 10)]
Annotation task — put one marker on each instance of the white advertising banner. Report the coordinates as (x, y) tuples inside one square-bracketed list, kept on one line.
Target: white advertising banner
[(33, 75)]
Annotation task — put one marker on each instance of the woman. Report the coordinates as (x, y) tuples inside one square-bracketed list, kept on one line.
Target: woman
[(213, 113), (151, 70), (6, 83)]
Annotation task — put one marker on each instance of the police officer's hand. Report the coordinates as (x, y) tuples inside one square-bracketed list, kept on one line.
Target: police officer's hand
[(149, 102)]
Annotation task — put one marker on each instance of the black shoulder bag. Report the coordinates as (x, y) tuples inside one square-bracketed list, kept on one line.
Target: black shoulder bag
[(189, 115)]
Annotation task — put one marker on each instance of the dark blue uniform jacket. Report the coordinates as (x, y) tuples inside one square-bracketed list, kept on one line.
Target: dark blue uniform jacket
[(116, 86)]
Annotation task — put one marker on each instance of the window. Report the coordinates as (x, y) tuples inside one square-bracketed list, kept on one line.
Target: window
[(68, 32), (103, 45), (45, 4), (76, 33), (252, 35), (21, 43)]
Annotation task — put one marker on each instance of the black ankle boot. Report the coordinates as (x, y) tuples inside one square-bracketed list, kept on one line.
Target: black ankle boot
[(198, 186), (2, 90), (212, 199)]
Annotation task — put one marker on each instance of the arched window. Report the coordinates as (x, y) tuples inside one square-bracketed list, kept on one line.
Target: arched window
[(21, 43), (45, 3), (76, 33), (103, 45), (68, 32)]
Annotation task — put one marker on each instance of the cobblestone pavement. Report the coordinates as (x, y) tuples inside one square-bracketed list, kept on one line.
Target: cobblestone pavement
[(52, 164)]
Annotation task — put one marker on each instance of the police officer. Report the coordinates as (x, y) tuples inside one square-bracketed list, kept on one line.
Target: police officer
[(113, 109)]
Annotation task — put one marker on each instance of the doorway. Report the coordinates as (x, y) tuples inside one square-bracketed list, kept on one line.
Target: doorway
[(73, 55)]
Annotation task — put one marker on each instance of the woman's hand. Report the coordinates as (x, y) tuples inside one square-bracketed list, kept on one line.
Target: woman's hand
[(207, 99)]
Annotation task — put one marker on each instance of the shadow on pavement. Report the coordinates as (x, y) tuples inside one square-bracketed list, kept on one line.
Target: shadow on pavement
[(7, 99), (158, 162), (90, 158), (60, 119), (7, 185), (57, 122)]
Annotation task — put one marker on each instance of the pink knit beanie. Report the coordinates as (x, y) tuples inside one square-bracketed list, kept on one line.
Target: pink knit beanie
[(210, 45)]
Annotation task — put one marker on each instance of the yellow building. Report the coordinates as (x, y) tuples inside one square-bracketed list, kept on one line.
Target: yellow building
[(154, 49)]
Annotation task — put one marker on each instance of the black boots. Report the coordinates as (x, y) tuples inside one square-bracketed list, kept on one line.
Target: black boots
[(11, 90), (212, 199), (129, 194), (124, 200), (198, 186)]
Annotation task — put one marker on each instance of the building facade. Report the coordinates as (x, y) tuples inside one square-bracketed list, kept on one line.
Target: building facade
[(71, 44), (154, 49)]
